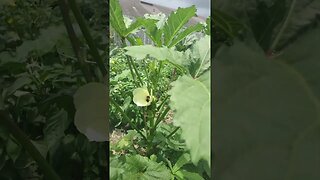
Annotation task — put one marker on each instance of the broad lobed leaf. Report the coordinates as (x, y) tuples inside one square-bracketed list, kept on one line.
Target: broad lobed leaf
[(264, 112), (190, 98)]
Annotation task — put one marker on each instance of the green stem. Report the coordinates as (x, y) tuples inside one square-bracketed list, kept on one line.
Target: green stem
[(74, 40), (145, 122), (172, 133), (162, 103), (132, 68), (30, 148), (127, 118), (284, 26), (159, 119), (136, 70), (85, 31), (132, 73)]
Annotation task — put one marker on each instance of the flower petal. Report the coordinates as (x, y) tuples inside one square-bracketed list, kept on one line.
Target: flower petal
[(140, 97)]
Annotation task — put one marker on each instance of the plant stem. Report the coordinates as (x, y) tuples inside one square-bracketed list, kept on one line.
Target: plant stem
[(159, 119), (127, 118), (132, 68), (74, 40), (30, 148), (174, 131), (85, 31), (136, 71), (284, 26)]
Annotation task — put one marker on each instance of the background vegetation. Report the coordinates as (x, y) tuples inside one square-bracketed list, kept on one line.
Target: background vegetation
[(40, 71)]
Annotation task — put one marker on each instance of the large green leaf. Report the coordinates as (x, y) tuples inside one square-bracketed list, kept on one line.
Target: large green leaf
[(153, 32), (190, 98), (116, 17), (141, 168), (160, 53), (176, 21), (137, 167), (200, 56), (134, 26), (303, 55), (304, 14), (261, 110), (305, 156), (91, 118), (185, 33)]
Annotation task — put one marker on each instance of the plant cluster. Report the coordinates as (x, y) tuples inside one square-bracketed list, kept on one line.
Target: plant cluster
[(159, 96), (39, 75)]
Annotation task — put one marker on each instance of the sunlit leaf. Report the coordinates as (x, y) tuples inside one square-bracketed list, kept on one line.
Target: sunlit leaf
[(116, 17), (190, 98), (176, 21)]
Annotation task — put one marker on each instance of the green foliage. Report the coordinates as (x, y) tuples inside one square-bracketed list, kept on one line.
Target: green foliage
[(175, 22), (139, 167), (151, 142), (39, 75), (117, 20), (55, 127)]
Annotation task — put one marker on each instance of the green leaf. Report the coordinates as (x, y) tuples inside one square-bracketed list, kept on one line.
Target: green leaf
[(13, 149), (226, 23), (116, 169), (44, 43), (18, 83), (163, 53), (153, 32), (264, 20), (41, 147), (305, 156), (176, 21), (191, 100), (305, 14), (183, 160), (55, 127), (305, 60), (91, 118), (116, 17), (262, 108), (138, 167), (185, 33), (200, 56), (133, 27), (183, 174)]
